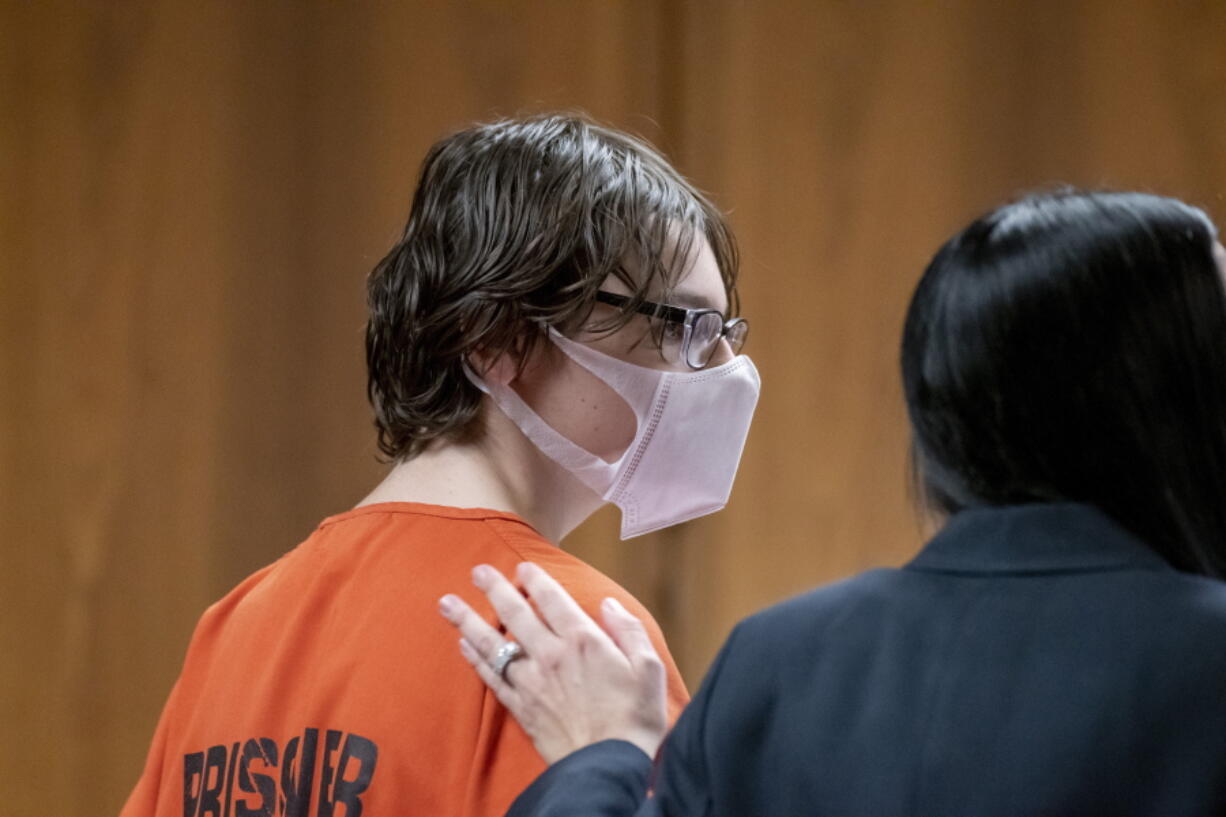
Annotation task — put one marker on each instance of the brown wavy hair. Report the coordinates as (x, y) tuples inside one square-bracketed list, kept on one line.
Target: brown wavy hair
[(514, 226)]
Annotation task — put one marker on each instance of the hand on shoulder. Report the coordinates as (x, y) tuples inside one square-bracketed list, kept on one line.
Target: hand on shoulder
[(569, 682)]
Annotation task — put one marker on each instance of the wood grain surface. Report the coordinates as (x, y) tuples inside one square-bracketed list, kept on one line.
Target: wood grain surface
[(194, 192)]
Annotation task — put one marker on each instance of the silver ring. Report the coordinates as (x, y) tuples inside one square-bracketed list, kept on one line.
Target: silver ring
[(507, 653)]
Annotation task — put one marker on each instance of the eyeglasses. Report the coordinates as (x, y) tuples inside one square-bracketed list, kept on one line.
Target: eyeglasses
[(701, 329)]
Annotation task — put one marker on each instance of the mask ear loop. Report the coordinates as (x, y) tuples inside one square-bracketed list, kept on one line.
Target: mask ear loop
[(643, 389), (594, 472), (637, 385)]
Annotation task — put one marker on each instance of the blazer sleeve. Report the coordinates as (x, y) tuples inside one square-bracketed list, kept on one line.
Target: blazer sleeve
[(614, 778)]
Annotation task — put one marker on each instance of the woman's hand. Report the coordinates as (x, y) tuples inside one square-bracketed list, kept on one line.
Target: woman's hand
[(575, 684)]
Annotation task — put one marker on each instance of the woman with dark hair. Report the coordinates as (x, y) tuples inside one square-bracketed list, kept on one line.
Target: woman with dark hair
[(1072, 347), (1059, 647)]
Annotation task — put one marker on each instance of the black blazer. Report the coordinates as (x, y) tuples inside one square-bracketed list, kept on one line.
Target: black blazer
[(1033, 660)]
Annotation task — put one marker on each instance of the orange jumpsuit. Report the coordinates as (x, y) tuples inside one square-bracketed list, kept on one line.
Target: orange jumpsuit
[(326, 684)]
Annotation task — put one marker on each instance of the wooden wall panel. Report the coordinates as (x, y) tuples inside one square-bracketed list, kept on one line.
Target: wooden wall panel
[(193, 196), (194, 192)]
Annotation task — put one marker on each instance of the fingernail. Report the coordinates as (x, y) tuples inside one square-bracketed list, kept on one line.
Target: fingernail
[(614, 606), (525, 570), (446, 605), (482, 576)]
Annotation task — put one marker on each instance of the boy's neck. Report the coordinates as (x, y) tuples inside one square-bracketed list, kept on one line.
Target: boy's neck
[(502, 471)]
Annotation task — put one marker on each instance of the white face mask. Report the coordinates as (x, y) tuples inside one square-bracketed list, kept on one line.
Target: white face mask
[(684, 456)]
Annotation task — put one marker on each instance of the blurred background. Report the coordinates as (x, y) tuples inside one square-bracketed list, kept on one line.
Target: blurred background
[(193, 192)]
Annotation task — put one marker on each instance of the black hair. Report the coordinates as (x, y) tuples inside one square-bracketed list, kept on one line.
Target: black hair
[(1071, 346)]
